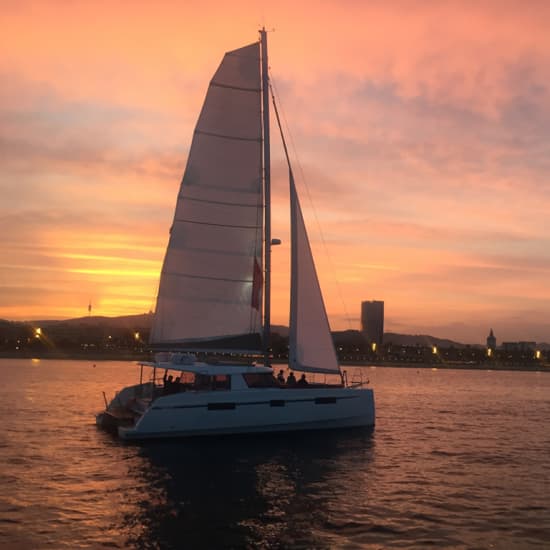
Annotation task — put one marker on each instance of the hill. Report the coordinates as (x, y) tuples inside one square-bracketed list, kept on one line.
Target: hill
[(421, 340), (130, 322)]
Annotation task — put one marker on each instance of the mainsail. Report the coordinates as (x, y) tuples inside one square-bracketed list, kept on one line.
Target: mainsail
[(311, 348), (210, 288)]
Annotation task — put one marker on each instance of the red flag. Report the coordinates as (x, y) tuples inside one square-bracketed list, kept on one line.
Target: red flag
[(257, 282)]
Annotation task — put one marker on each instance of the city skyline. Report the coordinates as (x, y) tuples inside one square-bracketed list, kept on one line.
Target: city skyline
[(421, 134)]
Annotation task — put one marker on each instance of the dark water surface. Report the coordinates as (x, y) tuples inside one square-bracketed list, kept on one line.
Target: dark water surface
[(458, 459)]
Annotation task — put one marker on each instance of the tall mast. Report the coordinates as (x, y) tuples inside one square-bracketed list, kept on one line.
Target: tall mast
[(267, 199)]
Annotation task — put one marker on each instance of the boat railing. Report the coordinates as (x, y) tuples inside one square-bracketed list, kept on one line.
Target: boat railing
[(357, 379)]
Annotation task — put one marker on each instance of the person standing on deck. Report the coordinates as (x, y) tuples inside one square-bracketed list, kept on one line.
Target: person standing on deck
[(291, 380)]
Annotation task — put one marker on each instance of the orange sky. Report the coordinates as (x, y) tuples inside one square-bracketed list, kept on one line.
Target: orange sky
[(422, 130)]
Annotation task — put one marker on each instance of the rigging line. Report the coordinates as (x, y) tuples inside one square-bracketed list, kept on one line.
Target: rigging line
[(207, 278), (223, 136), (238, 88), (181, 220), (222, 203), (274, 92)]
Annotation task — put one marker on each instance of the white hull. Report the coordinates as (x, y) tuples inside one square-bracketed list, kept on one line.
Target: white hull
[(253, 411)]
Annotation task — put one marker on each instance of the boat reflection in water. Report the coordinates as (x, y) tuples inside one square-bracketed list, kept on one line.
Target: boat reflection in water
[(249, 491)]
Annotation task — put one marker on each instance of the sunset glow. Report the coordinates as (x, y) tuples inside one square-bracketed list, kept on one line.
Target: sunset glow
[(419, 130)]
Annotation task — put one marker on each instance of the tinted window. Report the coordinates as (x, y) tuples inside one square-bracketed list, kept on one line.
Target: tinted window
[(221, 382), (260, 380), (217, 382)]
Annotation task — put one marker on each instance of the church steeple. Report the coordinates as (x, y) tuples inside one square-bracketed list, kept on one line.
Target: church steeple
[(491, 341)]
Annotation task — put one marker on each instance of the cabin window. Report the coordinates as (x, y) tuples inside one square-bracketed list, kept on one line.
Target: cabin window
[(221, 382), (186, 381), (260, 380), (187, 377), (202, 382), (217, 382)]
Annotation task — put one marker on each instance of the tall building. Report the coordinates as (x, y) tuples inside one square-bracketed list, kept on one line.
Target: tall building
[(491, 341), (372, 321)]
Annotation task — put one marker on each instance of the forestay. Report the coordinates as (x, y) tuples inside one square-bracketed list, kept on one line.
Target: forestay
[(211, 281)]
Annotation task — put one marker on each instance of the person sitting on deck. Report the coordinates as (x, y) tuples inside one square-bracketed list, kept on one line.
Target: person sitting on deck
[(302, 381), (168, 384), (291, 380), (281, 377)]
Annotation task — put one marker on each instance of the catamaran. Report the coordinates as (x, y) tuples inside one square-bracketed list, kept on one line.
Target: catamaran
[(214, 293)]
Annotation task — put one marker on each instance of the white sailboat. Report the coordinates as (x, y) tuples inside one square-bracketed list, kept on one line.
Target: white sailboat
[(214, 292)]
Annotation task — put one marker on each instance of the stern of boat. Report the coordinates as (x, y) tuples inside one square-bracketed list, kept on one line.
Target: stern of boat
[(126, 408)]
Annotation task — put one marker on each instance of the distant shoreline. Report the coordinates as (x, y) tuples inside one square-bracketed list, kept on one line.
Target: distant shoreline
[(453, 366), (119, 356), (133, 356)]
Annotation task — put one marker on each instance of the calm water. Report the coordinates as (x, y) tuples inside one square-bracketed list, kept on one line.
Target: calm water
[(458, 459)]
